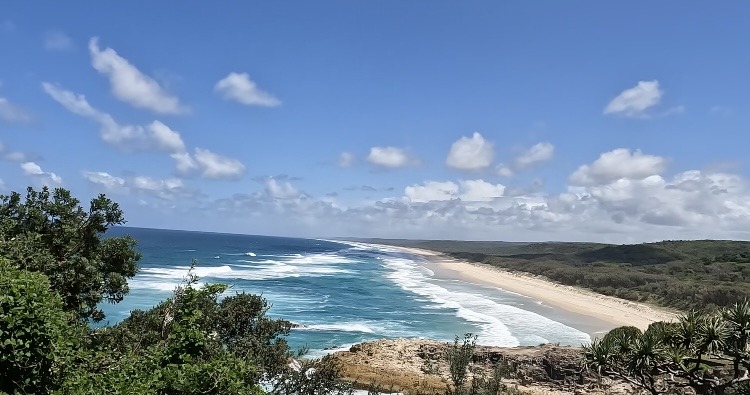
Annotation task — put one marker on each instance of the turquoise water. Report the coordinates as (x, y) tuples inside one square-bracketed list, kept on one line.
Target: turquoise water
[(339, 293)]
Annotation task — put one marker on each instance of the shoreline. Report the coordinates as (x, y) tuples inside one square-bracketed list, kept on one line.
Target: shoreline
[(607, 312)]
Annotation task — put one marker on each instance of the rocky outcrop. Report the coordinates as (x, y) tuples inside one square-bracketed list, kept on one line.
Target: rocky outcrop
[(418, 366)]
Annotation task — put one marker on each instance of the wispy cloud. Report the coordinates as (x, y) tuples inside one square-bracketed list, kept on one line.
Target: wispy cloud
[(10, 112), (131, 85), (155, 136), (345, 159), (240, 88), (538, 153), (55, 40), (166, 189), (636, 101), (32, 169), (720, 111)]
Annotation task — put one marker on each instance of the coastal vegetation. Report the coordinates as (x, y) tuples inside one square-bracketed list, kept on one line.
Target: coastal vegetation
[(56, 267), (707, 352), (677, 274)]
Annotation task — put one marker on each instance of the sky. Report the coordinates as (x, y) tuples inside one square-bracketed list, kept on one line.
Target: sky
[(484, 120)]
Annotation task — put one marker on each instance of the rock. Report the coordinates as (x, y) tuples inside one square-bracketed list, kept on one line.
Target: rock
[(412, 365)]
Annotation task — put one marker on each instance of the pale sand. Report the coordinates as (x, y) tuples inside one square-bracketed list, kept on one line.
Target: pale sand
[(613, 311)]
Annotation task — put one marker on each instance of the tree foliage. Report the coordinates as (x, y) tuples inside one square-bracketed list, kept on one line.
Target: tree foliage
[(36, 339), (55, 269), (708, 352), (50, 233)]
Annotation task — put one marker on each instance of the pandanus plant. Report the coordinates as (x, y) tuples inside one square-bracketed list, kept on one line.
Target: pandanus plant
[(708, 352)]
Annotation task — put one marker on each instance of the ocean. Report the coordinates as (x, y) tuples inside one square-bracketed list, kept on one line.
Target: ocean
[(339, 293)]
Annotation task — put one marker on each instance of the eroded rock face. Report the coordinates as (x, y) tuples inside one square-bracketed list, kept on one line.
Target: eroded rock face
[(412, 365)]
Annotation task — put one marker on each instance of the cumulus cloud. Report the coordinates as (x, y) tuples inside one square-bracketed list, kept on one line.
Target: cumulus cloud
[(345, 159), (504, 171), (10, 112), (55, 40), (129, 84), (635, 101), (33, 170), (240, 88), (692, 204), (617, 164), (538, 153), (466, 190), (481, 191), (213, 165), (432, 191), (633, 203), (278, 189), (390, 157), (470, 153)]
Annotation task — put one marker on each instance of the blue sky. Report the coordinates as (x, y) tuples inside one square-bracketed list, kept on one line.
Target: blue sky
[(473, 120)]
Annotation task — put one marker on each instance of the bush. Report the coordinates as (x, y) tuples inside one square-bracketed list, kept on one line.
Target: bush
[(35, 335)]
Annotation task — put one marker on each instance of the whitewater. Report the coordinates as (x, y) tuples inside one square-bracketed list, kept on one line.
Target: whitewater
[(339, 293)]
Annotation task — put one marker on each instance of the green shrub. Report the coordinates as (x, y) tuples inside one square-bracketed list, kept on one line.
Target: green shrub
[(35, 335)]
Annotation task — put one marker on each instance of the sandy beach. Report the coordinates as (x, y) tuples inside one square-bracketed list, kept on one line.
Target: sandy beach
[(612, 312)]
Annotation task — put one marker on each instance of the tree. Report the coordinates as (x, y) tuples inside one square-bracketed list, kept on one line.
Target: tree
[(36, 338), (174, 348), (708, 352), (201, 341), (50, 233)]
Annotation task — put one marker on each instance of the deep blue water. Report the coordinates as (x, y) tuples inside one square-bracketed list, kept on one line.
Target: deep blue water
[(339, 293)]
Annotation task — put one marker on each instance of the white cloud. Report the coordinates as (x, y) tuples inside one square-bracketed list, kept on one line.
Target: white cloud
[(55, 40), (216, 166), (11, 113), (618, 164), (481, 191), (155, 136), (13, 156), (540, 152), (281, 189), (345, 159), (470, 153), (129, 84), (46, 178), (104, 179), (635, 101), (466, 190), (432, 191), (184, 162), (504, 171), (165, 189), (391, 157), (167, 139), (239, 87), (633, 208)]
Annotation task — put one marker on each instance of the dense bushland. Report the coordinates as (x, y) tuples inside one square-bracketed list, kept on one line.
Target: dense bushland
[(679, 274)]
